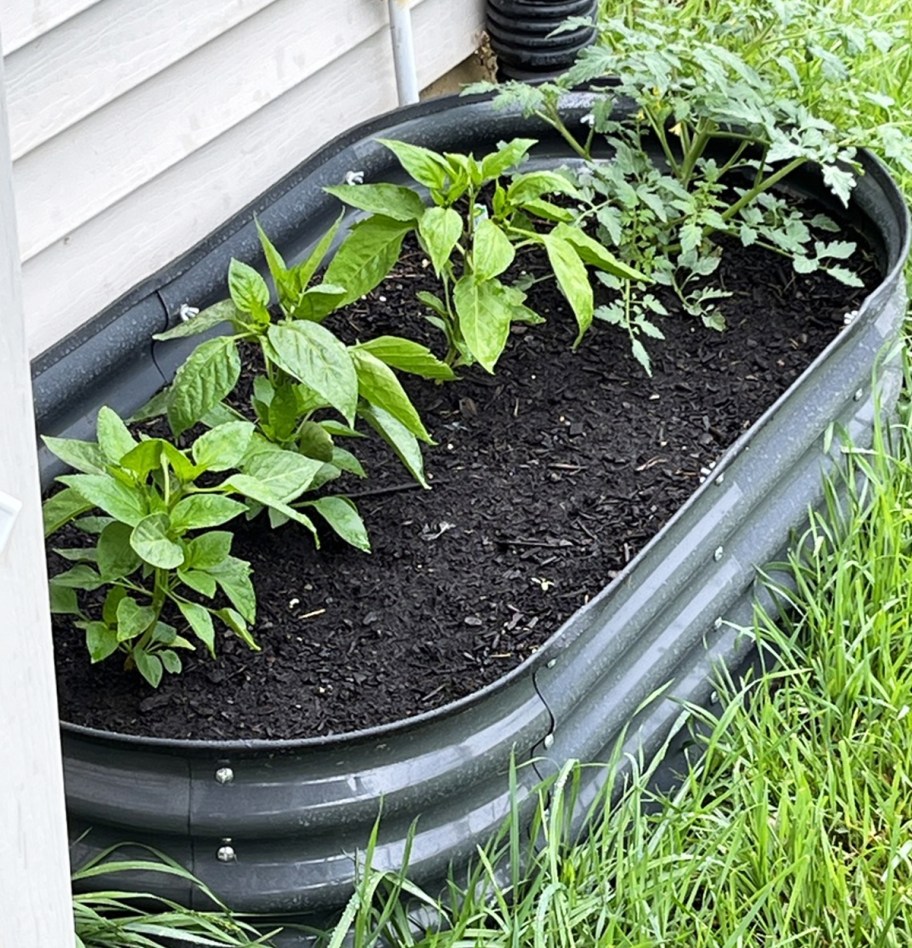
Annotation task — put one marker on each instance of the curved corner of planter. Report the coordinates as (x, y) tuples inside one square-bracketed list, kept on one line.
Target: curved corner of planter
[(279, 827)]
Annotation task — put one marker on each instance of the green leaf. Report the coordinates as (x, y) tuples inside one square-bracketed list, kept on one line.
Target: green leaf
[(590, 251), (276, 263), (314, 441), (199, 581), (200, 620), (317, 302), (506, 157), (492, 251), (149, 666), (151, 454), (100, 641), (209, 374), (208, 549), (425, 166), (254, 489), (132, 619), (113, 437), (114, 498), (572, 279), (440, 229), (236, 623), (111, 602), (171, 661), (284, 473), (529, 187), (407, 356), (79, 577), (116, 558), (304, 271), (233, 575), (314, 356), (484, 319), (366, 256), (378, 385), (63, 600), (281, 414), (404, 444), (222, 312), (80, 455), (342, 515), (200, 511), (222, 447), (247, 288), (391, 200), (151, 540), (548, 211), (62, 507)]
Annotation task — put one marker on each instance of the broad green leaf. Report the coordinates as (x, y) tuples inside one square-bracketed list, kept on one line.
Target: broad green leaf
[(529, 187), (116, 558), (80, 455), (314, 356), (149, 666), (156, 407), (208, 549), (171, 661), (404, 444), (572, 279), (378, 385), (317, 302), (235, 622), (78, 554), (100, 641), (111, 602), (342, 515), (592, 252), (151, 540), (440, 229), (151, 454), (285, 474), (222, 312), (346, 461), (79, 577), (199, 581), (247, 288), (61, 508), (407, 356), (132, 619), (366, 256), (200, 511), (222, 447), (484, 318), (390, 200), (209, 374), (305, 270), (114, 498), (233, 575), (548, 211), (63, 600), (200, 620), (425, 166), (113, 437), (254, 489), (506, 157), (314, 441), (433, 302), (492, 251), (281, 414)]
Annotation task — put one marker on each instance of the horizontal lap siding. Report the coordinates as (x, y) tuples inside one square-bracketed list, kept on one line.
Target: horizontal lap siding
[(132, 149)]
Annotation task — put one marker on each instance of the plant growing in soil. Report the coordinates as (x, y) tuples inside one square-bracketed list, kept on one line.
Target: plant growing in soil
[(153, 545), (307, 369), (701, 134), (473, 227)]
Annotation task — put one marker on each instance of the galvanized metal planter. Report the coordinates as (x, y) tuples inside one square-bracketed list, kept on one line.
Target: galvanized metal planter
[(274, 826)]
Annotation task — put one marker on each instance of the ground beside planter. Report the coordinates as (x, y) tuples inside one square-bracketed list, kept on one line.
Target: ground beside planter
[(548, 479)]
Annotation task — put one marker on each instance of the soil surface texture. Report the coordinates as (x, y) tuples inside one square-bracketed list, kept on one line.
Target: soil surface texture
[(547, 479)]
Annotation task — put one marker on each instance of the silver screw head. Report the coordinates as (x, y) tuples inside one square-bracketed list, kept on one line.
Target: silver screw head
[(224, 775), (718, 554), (226, 854), (548, 741)]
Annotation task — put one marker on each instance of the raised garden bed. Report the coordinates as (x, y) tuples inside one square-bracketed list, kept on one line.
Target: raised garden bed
[(419, 695)]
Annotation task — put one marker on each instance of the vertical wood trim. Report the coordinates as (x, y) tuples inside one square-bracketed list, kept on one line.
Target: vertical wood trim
[(34, 861)]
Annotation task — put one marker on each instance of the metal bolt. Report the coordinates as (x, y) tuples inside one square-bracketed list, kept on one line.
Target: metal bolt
[(859, 394), (548, 741), (226, 854), (718, 554), (224, 775)]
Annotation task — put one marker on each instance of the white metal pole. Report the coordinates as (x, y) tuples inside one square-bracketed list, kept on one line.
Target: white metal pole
[(403, 51), (35, 902)]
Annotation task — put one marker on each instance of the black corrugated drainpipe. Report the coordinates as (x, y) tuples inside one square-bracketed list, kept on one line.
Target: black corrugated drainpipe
[(520, 32)]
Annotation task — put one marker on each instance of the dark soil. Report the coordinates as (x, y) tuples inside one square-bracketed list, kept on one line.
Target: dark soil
[(548, 478)]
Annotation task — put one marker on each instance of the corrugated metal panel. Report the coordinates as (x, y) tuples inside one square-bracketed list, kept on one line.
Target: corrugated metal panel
[(140, 126)]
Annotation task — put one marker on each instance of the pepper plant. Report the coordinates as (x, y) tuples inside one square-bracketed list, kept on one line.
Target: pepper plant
[(308, 370), (476, 221), (151, 510)]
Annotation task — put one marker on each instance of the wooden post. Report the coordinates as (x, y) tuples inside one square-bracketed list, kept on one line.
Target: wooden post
[(35, 905)]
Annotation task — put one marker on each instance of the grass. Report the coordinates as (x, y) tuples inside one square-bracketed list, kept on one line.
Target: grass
[(793, 826)]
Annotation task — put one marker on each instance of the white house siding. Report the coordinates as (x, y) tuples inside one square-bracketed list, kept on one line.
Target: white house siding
[(137, 126)]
